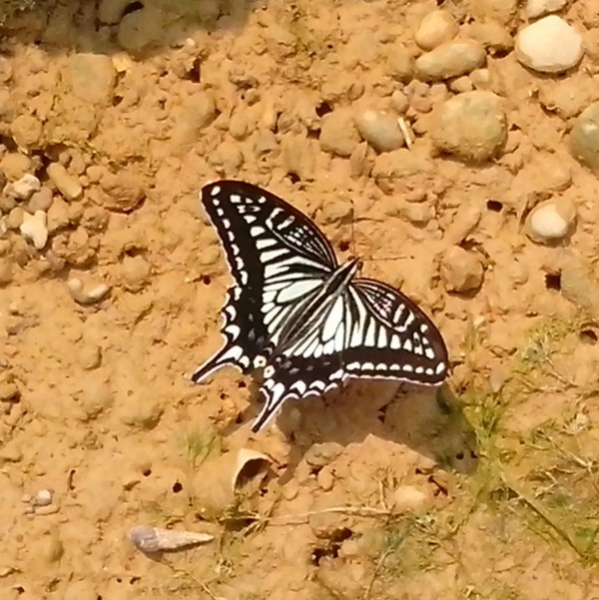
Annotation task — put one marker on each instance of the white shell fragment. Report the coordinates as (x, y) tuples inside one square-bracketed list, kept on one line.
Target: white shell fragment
[(151, 540)]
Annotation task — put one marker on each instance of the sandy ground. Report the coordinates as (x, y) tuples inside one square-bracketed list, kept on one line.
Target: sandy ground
[(485, 490)]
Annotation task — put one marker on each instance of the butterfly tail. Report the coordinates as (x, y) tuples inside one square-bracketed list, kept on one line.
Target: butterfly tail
[(275, 396), (227, 355)]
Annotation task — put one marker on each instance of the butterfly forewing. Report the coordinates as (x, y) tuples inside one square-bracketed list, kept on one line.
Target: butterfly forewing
[(277, 257)]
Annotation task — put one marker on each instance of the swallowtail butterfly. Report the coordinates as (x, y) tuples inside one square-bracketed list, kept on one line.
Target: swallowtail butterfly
[(309, 323)]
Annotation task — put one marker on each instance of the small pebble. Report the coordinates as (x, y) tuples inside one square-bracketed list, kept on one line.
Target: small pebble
[(42, 498), (86, 294), (14, 165), (68, 186), (539, 8), (338, 134), (450, 59), (550, 220), (34, 228), (549, 45), (24, 188), (379, 129), (584, 137), (471, 126), (437, 27), (15, 217), (41, 200), (461, 271)]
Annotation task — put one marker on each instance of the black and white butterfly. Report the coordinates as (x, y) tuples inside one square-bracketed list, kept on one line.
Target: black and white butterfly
[(294, 312)]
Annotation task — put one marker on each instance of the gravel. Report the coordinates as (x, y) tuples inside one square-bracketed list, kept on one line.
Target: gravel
[(551, 220), (584, 137), (451, 59), (549, 46), (435, 28), (379, 129), (470, 126)]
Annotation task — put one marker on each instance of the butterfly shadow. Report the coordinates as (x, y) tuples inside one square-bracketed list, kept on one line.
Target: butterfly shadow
[(429, 421)]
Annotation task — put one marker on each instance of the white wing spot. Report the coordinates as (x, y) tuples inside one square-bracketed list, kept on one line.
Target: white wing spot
[(440, 368), (235, 198), (259, 361), (429, 353), (215, 191), (257, 230)]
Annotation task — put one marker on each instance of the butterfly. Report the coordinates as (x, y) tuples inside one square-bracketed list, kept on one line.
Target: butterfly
[(307, 322)]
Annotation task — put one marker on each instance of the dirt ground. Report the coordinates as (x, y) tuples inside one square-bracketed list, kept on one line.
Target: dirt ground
[(487, 489)]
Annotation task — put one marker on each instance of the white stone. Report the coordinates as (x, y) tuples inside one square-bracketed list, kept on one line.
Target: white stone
[(549, 46), (538, 8), (551, 220), (34, 228), (24, 188)]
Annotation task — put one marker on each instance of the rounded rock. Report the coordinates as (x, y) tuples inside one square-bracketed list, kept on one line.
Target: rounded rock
[(538, 8), (550, 221), (435, 28), (450, 59), (584, 137), (471, 126), (381, 130), (461, 271), (549, 46)]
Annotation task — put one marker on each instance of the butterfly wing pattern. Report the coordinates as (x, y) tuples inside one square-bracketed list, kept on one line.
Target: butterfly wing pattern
[(307, 322)]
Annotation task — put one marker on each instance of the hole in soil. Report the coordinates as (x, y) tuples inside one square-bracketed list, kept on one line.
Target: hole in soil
[(332, 548), (494, 205), (324, 108), (132, 7), (343, 246), (194, 74), (588, 336), (146, 472), (460, 456), (206, 280), (223, 396), (241, 384), (177, 487), (553, 282), (293, 177), (117, 100), (20, 590)]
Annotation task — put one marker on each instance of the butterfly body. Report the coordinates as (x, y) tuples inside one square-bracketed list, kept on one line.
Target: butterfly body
[(307, 321)]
